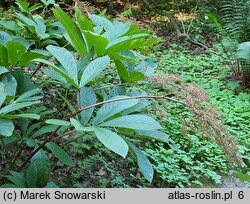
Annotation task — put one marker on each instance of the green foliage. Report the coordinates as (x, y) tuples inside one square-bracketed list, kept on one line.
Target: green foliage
[(97, 44), (235, 16), (88, 71), (235, 27), (115, 39), (244, 59), (11, 106), (208, 70), (15, 51), (33, 28)]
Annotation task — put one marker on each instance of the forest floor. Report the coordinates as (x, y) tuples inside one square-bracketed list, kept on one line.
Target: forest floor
[(96, 167)]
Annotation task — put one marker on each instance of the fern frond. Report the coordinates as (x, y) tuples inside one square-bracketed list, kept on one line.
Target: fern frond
[(236, 15)]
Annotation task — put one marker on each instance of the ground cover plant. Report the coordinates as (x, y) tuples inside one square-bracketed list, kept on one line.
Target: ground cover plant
[(90, 101)]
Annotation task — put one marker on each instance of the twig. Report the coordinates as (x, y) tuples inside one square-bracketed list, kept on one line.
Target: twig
[(50, 137)]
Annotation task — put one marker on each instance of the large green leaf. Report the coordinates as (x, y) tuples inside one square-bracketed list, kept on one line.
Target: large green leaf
[(101, 21), (110, 109), (2, 93), (124, 43), (72, 30), (10, 25), (87, 98), (6, 127), (40, 27), (60, 154), (97, 41), (66, 59), (31, 55), (83, 21), (93, 69), (24, 82), (137, 122), (112, 141), (10, 84), (244, 52), (142, 103), (4, 37), (15, 52), (84, 62), (144, 164), (118, 29), (122, 71), (38, 171), (56, 76)]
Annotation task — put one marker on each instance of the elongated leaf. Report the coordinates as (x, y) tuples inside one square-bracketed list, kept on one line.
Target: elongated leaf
[(101, 21), (23, 81), (83, 63), (144, 164), (118, 29), (97, 41), (43, 130), (136, 76), (241, 176), (93, 69), (142, 103), (58, 122), (124, 43), (87, 98), (83, 21), (67, 60), (28, 94), (112, 141), (10, 84), (60, 154), (244, 52), (122, 71), (27, 57), (38, 171), (137, 122), (156, 135), (40, 27), (71, 81), (2, 93), (72, 30), (17, 106), (23, 5), (110, 109), (6, 127), (56, 76), (78, 126), (4, 37), (24, 115)]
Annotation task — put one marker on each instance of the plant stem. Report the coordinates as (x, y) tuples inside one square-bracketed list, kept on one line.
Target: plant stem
[(50, 137)]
